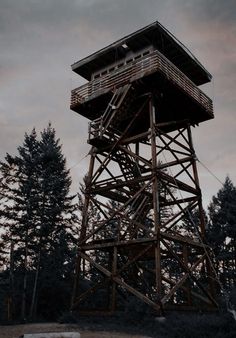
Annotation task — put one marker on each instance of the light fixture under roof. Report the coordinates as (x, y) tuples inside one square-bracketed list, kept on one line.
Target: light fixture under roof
[(125, 46)]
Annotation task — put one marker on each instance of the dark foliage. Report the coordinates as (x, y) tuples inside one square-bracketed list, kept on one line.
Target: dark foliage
[(37, 250), (38, 221), (222, 233)]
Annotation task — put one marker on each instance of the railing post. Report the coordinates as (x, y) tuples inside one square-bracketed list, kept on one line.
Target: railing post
[(117, 79)]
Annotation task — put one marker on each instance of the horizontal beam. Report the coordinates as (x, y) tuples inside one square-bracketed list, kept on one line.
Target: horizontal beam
[(111, 244), (182, 239), (95, 189)]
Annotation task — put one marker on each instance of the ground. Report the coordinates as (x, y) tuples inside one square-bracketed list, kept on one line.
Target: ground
[(16, 331), (136, 325)]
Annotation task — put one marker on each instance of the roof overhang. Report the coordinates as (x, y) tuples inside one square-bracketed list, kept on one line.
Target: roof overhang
[(154, 34)]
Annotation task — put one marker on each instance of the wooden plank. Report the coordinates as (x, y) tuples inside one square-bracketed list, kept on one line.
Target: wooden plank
[(193, 293), (182, 280), (186, 268), (155, 62), (93, 246), (88, 292), (181, 239), (120, 282)]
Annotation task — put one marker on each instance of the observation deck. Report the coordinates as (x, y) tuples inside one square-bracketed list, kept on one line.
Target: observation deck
[(151, 60)]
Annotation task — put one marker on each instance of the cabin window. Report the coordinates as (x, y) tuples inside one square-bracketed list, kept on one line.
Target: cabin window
[(122, 64), (146, 53)]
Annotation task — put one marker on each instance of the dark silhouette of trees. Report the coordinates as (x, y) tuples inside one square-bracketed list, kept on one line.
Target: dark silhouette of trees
[(38, 218), (222, 233), (39, 223)]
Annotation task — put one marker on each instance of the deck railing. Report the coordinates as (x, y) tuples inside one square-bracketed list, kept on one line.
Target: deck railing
[(154, 62)]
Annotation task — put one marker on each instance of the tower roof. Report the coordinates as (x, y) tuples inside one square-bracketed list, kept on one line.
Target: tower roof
[(154, 34)]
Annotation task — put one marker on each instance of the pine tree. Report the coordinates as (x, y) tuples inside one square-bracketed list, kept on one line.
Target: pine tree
[(222, 232), (19, 186), (27, 164), (6, 243), (37, 216), (57, 219)]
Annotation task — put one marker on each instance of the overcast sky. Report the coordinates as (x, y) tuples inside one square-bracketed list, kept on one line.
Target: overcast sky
[(39, 40)]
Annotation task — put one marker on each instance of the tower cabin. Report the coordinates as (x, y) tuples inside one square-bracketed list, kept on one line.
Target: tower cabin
[(151, 61)]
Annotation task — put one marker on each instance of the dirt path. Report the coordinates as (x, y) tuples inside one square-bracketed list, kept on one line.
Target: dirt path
[(15, 331)]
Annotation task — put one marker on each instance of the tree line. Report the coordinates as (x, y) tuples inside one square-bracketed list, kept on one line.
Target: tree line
[(39, 227)]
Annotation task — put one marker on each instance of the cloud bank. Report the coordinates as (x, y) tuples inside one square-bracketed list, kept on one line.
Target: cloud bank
[(41, 39)]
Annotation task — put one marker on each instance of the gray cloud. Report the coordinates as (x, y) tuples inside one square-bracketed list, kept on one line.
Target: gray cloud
[(223, 11), (40, 39)]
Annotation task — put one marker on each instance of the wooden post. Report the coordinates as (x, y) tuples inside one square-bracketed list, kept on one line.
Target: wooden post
[(83, 225), (201, 215), (196, 179), (185, 260), (155, 192), (114, 269)]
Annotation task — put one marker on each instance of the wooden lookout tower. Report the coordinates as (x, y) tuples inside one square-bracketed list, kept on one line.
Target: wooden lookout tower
[(143, 227)]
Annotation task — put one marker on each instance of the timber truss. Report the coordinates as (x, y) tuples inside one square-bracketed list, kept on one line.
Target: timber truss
[(143, 224)]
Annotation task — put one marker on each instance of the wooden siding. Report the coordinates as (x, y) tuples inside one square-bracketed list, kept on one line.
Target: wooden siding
[(150, 64)]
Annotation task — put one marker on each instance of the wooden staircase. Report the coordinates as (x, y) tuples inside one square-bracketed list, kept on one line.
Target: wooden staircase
[(118, 110)]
